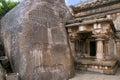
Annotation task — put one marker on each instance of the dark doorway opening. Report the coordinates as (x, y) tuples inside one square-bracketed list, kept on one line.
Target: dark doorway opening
[(92, 48)]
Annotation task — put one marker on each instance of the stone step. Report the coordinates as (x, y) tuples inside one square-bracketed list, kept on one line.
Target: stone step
[(12, 76)]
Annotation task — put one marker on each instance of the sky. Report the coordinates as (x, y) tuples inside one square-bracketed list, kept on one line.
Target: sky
[(13, 0), (68, 2), (72, 2)]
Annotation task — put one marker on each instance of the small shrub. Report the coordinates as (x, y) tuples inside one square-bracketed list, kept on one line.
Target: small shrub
[(6, 6)]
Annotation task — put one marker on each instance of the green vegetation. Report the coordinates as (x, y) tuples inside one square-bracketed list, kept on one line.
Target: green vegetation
[(6, 6)]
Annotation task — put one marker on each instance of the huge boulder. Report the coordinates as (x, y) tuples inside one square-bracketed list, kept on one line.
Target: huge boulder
[(35, 40)]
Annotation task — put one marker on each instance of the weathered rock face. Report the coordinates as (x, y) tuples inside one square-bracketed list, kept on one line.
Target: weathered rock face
[(1, 73), (35, 40)]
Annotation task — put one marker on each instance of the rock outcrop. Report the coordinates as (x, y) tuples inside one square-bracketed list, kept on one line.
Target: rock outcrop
[(2, 72), (35, 40)]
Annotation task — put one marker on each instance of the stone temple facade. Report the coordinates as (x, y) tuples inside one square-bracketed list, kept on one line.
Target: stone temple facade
[(94, 35), (45, 40)]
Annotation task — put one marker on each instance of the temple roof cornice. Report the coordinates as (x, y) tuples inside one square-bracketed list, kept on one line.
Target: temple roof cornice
[(92, 4)]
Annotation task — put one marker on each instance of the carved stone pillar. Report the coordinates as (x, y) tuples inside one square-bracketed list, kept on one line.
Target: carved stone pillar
[(72, 45), (72, 37), (100, 53), (118, 49), (107, 53)]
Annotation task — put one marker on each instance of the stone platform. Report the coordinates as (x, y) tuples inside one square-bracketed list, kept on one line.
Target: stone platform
[(94, 65), (85, 75)]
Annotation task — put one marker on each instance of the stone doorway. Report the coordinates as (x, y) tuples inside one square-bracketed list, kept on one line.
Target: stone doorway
[(92, 48)]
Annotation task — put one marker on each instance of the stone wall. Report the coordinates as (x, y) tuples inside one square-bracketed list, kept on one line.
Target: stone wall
[(116, 19)]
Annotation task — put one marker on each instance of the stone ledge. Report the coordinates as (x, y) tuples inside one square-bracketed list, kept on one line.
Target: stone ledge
[(105, 66)]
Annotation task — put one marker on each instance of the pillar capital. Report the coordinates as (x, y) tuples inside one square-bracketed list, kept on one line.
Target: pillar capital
[(117, 40), (101, 36), (73, 36), (99, 39)]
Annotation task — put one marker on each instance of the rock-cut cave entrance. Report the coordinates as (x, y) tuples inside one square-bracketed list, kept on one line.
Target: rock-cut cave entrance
[(92, 48)]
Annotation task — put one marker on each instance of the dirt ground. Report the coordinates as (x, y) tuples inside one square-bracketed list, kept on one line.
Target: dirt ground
[(96, 76)]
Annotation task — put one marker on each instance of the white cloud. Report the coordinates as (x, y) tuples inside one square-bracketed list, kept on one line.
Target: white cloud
[(66, 1)]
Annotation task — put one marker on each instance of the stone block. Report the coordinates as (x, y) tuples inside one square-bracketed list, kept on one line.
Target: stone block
[(12, 76)]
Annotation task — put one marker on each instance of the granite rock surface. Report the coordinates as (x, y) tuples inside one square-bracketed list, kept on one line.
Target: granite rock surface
[(36, 42)]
